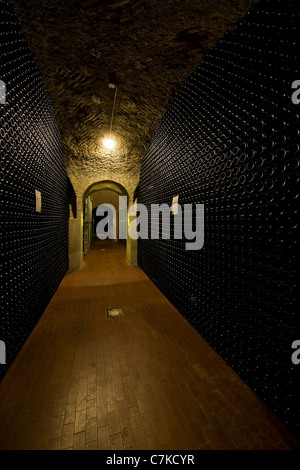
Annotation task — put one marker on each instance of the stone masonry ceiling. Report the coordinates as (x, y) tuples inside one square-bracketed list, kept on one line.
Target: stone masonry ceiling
[(145, 48)]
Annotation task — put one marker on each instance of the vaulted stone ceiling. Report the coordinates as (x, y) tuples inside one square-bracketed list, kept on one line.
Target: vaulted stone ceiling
[(146, 48)]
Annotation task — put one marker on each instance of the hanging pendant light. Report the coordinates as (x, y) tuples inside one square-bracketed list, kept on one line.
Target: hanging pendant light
[(109, 142)]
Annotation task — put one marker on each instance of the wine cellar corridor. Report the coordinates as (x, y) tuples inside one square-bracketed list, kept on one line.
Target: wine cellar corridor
[(149, 225)]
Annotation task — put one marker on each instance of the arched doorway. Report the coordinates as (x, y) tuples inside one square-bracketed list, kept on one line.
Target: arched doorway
[(105, 194)]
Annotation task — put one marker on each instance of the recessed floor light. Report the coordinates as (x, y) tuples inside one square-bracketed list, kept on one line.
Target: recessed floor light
[(114, 313)]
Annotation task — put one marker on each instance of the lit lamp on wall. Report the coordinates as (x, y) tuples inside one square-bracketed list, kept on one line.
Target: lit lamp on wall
[(109, 142)]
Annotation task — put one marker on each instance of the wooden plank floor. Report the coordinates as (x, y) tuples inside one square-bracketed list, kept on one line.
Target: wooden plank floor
[(146, 380)]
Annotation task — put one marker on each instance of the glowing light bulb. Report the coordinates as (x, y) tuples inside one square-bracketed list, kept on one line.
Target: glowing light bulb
[(109, 143)]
